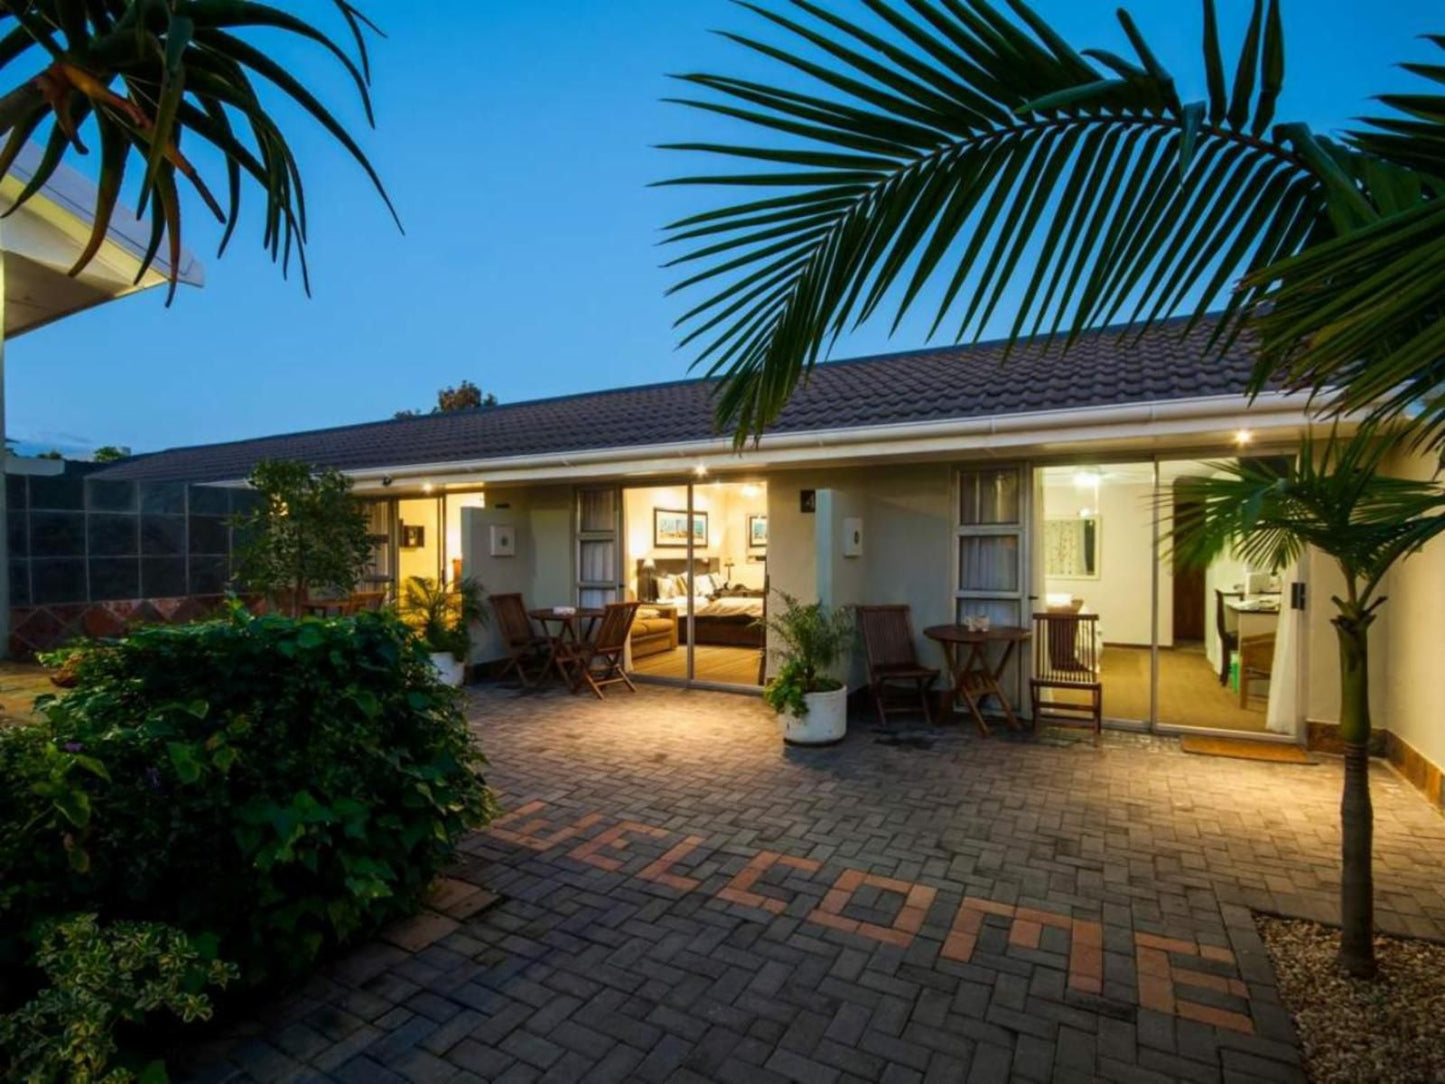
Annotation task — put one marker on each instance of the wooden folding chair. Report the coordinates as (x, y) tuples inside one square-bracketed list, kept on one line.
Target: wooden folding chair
[(888, 640), (1066, 659), (524, 646), (608, 648)]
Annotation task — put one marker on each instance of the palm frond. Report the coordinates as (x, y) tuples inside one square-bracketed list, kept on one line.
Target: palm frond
[(984, 154), (1362, 313), (156, 75), (1333, 497)]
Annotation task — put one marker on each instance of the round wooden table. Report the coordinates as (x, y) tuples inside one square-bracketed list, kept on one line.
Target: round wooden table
[(570, 626), (966, 652)]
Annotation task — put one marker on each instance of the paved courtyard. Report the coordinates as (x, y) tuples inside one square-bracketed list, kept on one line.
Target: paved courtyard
[(679, 897)]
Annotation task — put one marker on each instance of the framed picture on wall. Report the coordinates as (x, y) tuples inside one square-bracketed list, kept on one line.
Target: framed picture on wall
[(757, 532), (413, 536), (503, 541), (669, 528)]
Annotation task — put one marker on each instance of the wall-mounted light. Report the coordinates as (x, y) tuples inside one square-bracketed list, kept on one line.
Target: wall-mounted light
[(750, 490)]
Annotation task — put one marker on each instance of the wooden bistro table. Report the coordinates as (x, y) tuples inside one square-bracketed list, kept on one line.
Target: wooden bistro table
[(575, 626), (973, 676)]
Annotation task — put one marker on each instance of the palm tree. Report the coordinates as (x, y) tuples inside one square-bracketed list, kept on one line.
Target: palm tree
[(146, 77), (946, 144), (1333, 499)]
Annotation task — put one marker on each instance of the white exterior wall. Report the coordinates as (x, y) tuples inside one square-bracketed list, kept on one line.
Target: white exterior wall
[(908, 542), (542, 570), (1406, 693)]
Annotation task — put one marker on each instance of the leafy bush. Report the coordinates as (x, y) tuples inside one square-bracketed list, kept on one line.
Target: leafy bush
[(287, 785), (814, 639), (100, 979)]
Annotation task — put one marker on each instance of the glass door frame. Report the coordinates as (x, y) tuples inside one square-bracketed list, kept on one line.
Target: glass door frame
[(1153, 725), (689, 483)]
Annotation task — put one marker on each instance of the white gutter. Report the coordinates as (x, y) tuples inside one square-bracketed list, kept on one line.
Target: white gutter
[(974, 435)]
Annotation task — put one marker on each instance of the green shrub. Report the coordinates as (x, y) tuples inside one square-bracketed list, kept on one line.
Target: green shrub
[(100, 979), (286, 785)]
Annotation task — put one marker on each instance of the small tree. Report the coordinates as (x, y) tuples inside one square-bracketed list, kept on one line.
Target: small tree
[(465, 396), (1332, 499), (308, 531), (109, 453)]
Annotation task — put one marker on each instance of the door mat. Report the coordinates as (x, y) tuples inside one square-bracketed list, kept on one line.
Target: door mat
[(1243, 749)]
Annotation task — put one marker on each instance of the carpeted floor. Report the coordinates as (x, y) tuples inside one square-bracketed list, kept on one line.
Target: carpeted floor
[(1189, 691), (728, 665)]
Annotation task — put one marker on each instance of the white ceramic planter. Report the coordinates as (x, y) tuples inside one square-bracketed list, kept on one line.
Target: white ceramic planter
[(825, 723), (450, 670)]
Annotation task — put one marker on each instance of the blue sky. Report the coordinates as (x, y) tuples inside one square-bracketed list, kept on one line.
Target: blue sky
[(517, 142)]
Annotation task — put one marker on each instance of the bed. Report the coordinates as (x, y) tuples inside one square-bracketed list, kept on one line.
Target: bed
[(729, 618)]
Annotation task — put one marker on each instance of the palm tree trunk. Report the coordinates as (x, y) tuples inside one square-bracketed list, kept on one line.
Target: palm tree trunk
[(1357, 818)]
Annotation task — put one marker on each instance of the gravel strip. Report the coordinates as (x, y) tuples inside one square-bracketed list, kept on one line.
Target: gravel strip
[(1392, 1029)]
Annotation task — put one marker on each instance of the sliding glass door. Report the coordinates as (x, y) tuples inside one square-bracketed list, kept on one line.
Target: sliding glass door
[(696, 559), (1178, 647)]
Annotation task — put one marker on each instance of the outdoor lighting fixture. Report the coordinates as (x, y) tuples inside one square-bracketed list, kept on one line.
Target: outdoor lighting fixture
[(700, 471), (427, 488), (1243, 437)]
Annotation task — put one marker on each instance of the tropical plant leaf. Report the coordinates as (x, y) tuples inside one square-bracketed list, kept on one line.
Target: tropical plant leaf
[(992, 158), (153, 74), (1363, 314)]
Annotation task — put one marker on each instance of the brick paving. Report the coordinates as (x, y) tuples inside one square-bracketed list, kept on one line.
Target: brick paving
[(673, 895)]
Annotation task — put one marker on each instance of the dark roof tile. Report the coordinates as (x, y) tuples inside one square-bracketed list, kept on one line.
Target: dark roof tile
[(1115, 366)]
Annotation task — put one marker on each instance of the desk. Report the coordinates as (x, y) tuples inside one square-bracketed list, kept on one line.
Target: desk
[(973, 677), (1258, 616)]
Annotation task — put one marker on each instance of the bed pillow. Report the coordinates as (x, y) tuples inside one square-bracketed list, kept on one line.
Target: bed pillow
[(707, 584), (666, 588)]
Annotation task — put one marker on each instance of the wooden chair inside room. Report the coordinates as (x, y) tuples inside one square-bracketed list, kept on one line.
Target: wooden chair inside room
[(1066, 660), (1228, 637), (601, 661), (526, 649), (893, 659), (1256, 663)]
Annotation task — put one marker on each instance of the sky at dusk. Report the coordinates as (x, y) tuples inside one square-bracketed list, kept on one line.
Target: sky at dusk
[(517, 140)]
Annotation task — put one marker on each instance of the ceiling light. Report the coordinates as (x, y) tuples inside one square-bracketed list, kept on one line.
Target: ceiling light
[(1243, 437), (750, 490), (427, 488), (700, 471), (1086, 479)]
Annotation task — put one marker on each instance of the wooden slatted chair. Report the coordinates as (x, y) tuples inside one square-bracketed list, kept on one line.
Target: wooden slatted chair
[(608, 648), (525, 648), (1066, 658), (892, 657)]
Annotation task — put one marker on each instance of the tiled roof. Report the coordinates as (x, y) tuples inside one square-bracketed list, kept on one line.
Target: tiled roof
[(1104, 368)]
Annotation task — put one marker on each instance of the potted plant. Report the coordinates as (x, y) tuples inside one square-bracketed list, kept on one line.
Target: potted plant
[(442, 615), (811, 704)]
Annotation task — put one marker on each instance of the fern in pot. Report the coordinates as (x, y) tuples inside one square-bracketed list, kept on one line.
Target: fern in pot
[(443, 615), (811, 704)]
